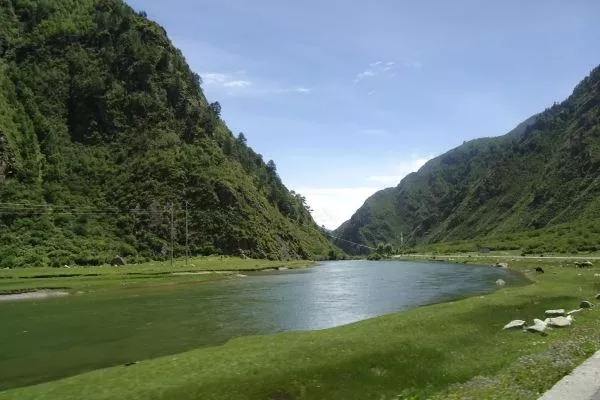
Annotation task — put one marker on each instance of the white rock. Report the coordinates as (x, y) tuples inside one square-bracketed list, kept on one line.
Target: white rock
[(586, 304), (559, 321), (538, 326), (502, 265), (555, 313), (517, 323), (575, 311), (500, 282)]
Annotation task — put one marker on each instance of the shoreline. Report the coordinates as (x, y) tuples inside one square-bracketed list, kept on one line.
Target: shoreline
[(33, 295)]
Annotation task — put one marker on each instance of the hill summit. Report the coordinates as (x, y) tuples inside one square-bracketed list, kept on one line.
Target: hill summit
[(536, 188), (108, 147)]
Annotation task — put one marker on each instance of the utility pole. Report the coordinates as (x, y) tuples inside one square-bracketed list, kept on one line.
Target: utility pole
[(172, 232), (401, 242), (187, 247)]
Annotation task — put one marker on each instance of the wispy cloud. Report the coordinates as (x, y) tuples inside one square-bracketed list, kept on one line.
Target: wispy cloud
[(332, 206), (375, 69), (227, 80), (237, 84), (385, 68), (300, 89), (396, 172)]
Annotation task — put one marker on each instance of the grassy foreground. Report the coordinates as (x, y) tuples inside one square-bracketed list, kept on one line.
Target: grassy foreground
[(450, 350)]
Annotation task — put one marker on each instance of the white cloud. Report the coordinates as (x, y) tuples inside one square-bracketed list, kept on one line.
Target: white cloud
[(301, 89), (213, 78), (332, 206), (395, 173), (237, 84), (375, 69)]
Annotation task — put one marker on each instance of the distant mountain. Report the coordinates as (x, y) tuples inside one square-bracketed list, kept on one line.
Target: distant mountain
[(106, 135), (536, 188)]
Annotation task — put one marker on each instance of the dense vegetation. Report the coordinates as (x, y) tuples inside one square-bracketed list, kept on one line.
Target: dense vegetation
[(536, 189), (106, 139)]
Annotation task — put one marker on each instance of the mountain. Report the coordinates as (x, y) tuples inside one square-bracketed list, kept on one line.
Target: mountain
[(106, 138), (536, 188)]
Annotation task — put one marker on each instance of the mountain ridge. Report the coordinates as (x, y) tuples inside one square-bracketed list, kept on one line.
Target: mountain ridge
[(106, 139), (496, 189)]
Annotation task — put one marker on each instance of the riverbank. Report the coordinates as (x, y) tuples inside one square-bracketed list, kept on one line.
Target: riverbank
[(79, 280), (450, 350)]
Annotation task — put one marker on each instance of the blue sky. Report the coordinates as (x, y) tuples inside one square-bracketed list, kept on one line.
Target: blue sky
[(348, 97)]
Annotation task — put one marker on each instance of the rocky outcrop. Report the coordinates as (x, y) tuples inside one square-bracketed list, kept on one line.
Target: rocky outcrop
[(559, 321), (585, 304), (538, 326), (583, 264), (555, 313), (514, 324)]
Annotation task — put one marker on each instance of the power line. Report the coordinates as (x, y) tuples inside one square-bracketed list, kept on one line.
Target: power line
[(349, 241)]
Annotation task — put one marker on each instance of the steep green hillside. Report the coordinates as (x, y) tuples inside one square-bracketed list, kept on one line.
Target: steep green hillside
[(535, 188), (105, 135)]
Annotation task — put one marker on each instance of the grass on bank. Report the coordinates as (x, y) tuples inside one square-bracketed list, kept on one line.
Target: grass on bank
[(450, 350), (134, 275)]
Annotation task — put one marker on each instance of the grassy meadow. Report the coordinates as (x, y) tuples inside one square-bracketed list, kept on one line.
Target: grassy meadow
[(153, 273), (449, 350)]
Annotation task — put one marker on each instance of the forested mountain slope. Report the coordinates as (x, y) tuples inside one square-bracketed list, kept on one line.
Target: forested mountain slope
[(105, 135), (535, 188)]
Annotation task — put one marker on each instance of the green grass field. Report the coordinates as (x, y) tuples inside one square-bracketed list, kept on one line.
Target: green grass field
[(450, 350), (135, 275)]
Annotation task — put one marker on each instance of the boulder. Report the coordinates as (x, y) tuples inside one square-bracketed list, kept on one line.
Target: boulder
[(500, 282), (585, 304), (501, 265), (517, 323), (538, 326), (583, 264), (598, 296), (118, 260), (559, 321), (555, 313)]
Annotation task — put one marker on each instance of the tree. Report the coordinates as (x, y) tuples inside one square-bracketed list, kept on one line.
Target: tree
[(271, 167), (215, 108), (242, 139)]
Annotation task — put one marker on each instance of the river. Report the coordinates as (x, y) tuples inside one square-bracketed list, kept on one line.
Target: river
[(49, 339)]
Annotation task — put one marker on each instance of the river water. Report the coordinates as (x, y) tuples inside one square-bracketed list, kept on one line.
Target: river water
[(53, 338)]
